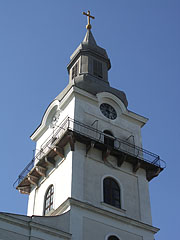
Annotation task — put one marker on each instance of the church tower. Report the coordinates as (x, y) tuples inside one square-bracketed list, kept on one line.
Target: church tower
[(89, 165)]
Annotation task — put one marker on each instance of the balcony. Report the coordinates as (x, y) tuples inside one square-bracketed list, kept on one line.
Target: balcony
[(70, 131)]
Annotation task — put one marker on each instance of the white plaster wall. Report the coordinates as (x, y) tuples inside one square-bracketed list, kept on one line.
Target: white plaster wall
[(78, 165), (92, 225), (80, 176), (60, 177), (30, 207), (87, 111), (95, 170), (66, 110), (88, 171), (144, 198), (87, 176), (43, 138)]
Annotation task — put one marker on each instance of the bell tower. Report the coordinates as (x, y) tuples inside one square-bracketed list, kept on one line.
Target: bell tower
[(89, 162)]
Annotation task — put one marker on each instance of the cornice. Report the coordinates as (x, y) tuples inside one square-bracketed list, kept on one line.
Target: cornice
[(89, 207)]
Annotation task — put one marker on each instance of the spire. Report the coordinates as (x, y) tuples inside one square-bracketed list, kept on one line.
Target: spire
[(89, 66), (89, 45), (89, 39)]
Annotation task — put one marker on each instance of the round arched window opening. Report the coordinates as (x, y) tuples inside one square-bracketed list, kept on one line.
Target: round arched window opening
[(48, 200), (111, 192), (113, 238)]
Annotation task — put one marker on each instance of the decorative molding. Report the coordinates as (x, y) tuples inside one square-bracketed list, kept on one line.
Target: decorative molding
[(97, 210), (43, 125)]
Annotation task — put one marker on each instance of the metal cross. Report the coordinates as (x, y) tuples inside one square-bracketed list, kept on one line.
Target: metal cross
[(88, 26)]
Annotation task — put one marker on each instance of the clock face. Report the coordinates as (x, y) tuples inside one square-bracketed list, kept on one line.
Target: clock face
[(108, 111), (55, 119)]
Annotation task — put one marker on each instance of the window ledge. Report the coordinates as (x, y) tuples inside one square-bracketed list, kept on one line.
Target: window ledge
[(115, 209)]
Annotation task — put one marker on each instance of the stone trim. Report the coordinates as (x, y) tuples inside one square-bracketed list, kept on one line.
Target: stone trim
[(97, 210)]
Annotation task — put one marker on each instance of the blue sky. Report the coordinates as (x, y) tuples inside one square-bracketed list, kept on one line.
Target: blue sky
[(142, 40)]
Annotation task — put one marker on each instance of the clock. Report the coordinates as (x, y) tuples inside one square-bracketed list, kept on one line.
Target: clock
[(108, 111), (55, 119)]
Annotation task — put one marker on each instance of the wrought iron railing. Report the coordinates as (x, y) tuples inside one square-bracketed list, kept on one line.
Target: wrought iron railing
[(58, 133), (95, 135), (119, 144)]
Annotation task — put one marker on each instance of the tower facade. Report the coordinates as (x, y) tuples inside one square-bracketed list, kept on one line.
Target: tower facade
[(89, 169)]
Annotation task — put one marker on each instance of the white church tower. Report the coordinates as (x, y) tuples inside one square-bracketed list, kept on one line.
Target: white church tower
[(90, 172)]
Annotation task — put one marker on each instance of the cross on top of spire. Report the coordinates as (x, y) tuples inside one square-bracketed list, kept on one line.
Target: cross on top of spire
[(88, 26)]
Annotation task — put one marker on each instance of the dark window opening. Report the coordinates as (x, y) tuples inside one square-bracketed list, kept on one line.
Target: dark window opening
[(75, 70), (48, 201), (97, 69), (108, 140), (113, 238), (111, 192)]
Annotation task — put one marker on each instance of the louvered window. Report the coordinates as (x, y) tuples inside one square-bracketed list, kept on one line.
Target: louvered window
[(97, 68), (75, 70)]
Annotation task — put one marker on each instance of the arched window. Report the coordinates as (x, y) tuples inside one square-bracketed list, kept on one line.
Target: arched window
[(108, 139), (111, 191), (113, 238), (48, 200)]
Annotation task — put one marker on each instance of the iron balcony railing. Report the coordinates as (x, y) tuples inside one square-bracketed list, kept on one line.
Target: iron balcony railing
[(95, 135)]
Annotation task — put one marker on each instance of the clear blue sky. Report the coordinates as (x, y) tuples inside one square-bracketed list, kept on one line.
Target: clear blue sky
[(142, 38)]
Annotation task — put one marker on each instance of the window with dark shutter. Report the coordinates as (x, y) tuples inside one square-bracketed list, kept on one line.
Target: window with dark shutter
[(97, 68), (111, 192)]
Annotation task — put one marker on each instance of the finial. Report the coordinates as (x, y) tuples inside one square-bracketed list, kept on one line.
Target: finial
[(88, 26)]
